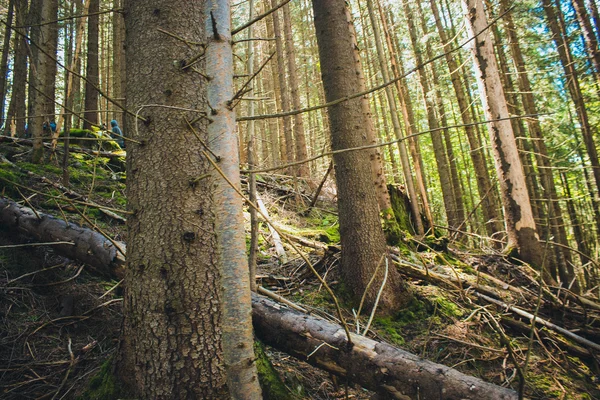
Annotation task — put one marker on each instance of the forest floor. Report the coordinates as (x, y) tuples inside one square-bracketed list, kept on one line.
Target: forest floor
[(60, 321)]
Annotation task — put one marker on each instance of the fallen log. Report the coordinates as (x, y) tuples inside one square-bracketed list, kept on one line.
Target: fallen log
[(87, 245), (394, 373)]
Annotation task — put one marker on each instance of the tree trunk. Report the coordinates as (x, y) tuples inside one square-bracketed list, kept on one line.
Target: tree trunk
[(520, 225), (15, 118), (283, 88), (539, 145), (42, 74), (299, 136), (187, 267), (4, 60), (443, 167), (119, 65), (393, 373), (410, 187), (484, 185), (363, 243), (92, 72)]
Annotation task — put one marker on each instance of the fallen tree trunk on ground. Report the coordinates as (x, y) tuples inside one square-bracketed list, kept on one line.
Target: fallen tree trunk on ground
[(87, 245), (394, 373)]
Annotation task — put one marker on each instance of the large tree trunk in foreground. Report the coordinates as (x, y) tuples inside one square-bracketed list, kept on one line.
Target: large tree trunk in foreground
[(373, 365), (187, 313)]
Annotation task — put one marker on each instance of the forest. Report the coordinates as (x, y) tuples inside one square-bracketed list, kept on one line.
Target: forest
[(372, 199)]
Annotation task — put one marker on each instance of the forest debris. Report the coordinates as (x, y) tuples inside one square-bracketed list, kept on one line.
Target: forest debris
[(369, 363), (541, 321), (276, 238)]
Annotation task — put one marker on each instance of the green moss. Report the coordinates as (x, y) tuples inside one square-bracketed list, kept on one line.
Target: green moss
[(416, 314), (7, 177), (391, 228), (544, 383), (448, 308), (270, 381), (103, 386), (401, 209), (41, 169)]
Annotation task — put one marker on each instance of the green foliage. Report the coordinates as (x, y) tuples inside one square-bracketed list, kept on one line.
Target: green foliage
[(270, 381)]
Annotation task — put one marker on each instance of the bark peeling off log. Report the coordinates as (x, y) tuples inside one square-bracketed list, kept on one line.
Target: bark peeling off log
[(377, 366), (88, 246)]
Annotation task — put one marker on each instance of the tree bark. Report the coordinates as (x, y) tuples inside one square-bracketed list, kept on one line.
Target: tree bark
[(299, 135), (518, 216), (363, 243), (410, 187), (42, 74), (489, 204), (15, 118), (183, 337), (393, 373), (4, 61), (92, 73)]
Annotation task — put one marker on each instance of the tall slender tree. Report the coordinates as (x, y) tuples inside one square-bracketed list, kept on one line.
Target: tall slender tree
[(520, 226), (92, 73), (489, 204), (4, 58), (15, 116), (42, 77)]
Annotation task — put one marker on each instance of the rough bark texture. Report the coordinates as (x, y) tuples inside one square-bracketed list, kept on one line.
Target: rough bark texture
[(392, 372), (92, 71), (520, 225), (362, 239), (173, 334), (43, 74)]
